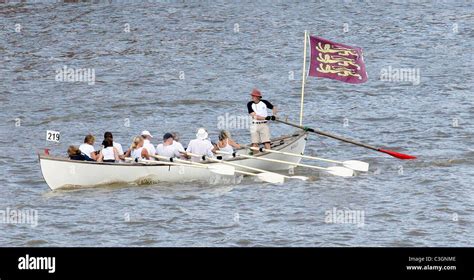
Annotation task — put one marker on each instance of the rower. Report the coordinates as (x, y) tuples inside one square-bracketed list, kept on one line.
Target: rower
[(146, 143), (257, 108), (137, 151), (178, 145), (88, 147), (116, 145), (108, 153), (226, 144), (167, 148), (75, 154), (176, 142), (201, 145)]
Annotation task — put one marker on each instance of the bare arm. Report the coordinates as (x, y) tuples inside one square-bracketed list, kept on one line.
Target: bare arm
[(234, 144), (94, 156), (116, 154), (99, 157), (145, 153)]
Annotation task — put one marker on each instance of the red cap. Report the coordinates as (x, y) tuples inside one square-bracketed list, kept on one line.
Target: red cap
[(256, 92)]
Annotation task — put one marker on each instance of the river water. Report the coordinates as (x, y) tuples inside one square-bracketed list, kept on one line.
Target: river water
[(178, 66)]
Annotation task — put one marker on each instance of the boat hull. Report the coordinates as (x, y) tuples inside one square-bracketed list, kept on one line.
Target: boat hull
[(61, 172)]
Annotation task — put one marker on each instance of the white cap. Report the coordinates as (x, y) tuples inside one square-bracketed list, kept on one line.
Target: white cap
[(201, 133), (146, 133)]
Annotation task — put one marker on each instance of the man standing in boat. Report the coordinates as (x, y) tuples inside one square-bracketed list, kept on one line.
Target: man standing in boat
[(258, 110)]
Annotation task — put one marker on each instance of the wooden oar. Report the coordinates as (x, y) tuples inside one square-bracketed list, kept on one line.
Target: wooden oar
[(352, 164), (221, 169), (334, 170), (137, 160), (389, 152), (218, 169), (264, 175)]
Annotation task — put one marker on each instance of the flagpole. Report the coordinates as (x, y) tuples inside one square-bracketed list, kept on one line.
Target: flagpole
[(303, 79)]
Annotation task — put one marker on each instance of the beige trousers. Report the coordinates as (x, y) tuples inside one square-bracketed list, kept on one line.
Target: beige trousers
[(259, 133)]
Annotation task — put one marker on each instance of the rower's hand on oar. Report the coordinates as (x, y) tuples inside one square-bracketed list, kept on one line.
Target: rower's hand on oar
[(184, 154), (270, 118)]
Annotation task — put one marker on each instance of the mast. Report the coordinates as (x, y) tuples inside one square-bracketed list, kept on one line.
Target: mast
[(303, 79)]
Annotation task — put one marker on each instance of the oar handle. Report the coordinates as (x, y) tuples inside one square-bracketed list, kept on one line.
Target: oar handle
[(176, 160), (230, 163)]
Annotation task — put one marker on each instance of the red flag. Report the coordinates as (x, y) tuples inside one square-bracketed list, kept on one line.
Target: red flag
[(336, 61)]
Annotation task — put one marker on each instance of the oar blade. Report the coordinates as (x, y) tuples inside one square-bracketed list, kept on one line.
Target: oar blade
[(340, 171), (396, 154), (356, 165), (271, 178), (222, 169), (302, 178)]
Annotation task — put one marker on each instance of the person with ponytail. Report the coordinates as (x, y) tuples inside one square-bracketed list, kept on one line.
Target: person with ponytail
[(137, 150), (226, 144)]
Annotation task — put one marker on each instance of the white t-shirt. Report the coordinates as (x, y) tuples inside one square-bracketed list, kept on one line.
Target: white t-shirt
[(259, 108), (227, 149), (149, 147), (87, 149), (108, 153), (178, 146), (200, 147), (119, 148), (137, 153), (168, 150)]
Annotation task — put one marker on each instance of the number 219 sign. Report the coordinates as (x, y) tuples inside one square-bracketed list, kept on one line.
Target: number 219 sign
[(52, 135)]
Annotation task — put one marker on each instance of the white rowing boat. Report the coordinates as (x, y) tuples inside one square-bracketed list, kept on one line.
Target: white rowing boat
[(59, 172)]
